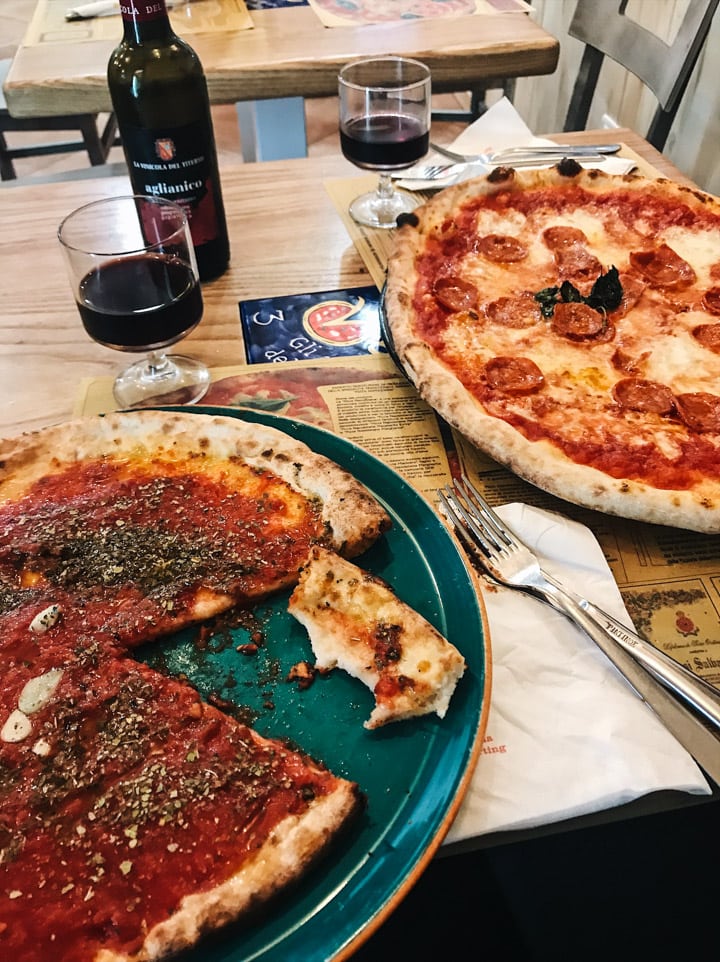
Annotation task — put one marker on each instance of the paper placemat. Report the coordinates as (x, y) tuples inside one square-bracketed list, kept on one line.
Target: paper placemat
[(341, 13), (49, 25)]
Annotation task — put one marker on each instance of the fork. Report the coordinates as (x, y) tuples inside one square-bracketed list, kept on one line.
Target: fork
[(526, 159), (509, 561), (592, 151), (431, 172)]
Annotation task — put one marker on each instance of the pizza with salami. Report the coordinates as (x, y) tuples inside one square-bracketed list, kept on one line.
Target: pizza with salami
[(134, 816), (567, 322)]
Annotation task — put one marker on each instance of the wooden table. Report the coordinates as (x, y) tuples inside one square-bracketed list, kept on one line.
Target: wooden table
[(286, 237), (288, 54), (528, 896)]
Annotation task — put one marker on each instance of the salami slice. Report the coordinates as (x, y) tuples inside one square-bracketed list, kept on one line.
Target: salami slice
[(632, 291), (456, 294), (557, 238), (501, 248), (577, 321), (639, 394), (711, 300), (709, 336), (662, 267), (514, 375), (521, 310), (700, 411)]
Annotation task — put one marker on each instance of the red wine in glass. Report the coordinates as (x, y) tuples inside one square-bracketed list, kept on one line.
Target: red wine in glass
[(142, 302), (133, 272), (391, 141), (384, 126)]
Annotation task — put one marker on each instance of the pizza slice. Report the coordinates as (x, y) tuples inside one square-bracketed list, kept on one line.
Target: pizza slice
[(356, 622), (132, 526), (134, 817)]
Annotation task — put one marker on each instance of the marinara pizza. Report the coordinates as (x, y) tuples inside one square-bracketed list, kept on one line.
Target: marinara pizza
[(567, 322), (133, 815)]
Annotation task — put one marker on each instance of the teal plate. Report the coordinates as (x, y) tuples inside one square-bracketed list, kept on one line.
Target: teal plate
[(413, 773)]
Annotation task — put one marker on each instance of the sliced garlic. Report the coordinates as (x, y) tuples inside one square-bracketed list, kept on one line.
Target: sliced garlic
[(17, 727), (41, 747), (39, 690), (45, 619)]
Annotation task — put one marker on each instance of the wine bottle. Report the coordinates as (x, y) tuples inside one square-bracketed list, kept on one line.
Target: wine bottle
[(159, 95)]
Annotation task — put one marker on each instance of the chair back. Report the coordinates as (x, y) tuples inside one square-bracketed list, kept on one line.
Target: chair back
[(664, 68)]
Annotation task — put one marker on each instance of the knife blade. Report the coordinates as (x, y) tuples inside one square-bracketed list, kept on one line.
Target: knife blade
[(687, 727)]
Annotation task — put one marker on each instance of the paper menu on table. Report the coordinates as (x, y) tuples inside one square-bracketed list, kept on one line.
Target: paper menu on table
[(334, 13), (49, 26)]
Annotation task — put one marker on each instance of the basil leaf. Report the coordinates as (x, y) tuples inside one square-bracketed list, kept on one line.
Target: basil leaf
[(570, 294), (546, 298), (606, 292)]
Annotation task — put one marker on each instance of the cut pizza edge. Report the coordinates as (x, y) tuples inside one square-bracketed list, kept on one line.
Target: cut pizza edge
[(296, 844), (356, 622), (308, 807)]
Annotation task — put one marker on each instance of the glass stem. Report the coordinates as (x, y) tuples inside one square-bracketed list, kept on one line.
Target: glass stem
[(157, 365), (385, 187)]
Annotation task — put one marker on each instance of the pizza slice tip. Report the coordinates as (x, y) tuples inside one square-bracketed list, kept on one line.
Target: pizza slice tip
[(356, 622)]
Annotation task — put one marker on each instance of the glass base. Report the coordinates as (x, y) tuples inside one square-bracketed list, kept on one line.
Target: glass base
[(378, 210), (162, 379)]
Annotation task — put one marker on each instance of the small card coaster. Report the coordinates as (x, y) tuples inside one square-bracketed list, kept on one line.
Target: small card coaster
[(302, 327)]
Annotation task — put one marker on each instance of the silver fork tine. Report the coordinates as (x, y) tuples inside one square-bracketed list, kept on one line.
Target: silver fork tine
[(431, 172), (481, 508), (463, 520)]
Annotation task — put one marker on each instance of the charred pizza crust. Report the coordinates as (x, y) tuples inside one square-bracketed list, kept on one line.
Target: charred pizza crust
[(296, 843), (353, 518), (654, 339)]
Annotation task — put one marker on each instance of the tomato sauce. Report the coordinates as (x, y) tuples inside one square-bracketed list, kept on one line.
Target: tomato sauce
[(144, 796), (124, 792), (610, 441), (135, 549), (696, 461)]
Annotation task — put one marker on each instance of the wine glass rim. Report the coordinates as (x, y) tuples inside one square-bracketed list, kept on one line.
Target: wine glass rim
[(383, 59), (152, 198)]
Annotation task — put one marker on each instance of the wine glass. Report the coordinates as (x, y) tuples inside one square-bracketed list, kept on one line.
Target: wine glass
[(384, 126), (134, 275)]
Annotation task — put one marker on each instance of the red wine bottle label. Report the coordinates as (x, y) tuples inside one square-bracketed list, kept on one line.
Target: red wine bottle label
[(142, 10), (175, 164)]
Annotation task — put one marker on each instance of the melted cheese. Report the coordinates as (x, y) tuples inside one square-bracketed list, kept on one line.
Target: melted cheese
[(579, 375), (357, 623)]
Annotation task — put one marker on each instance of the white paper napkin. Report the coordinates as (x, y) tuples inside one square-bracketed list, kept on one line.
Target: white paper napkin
[(499, 127), (566, 734)]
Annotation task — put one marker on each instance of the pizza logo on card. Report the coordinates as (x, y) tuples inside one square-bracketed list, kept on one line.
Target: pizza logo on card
[(334, 322), (165, 148)]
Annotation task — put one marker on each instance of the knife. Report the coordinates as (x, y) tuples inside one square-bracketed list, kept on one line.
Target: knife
[(565, 150), (687, 727)]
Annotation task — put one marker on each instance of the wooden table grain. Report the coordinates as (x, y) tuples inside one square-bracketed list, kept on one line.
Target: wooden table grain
[(286, 237), (288, 53)]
